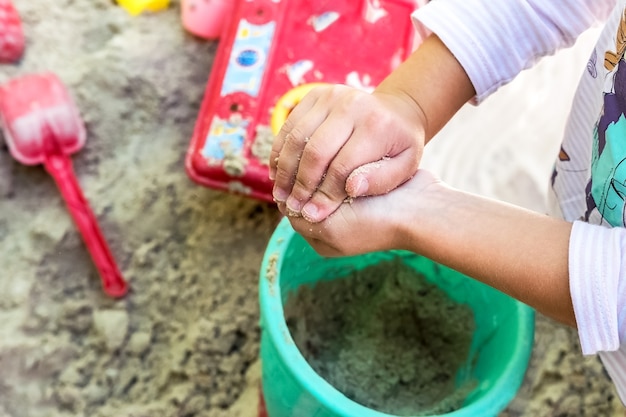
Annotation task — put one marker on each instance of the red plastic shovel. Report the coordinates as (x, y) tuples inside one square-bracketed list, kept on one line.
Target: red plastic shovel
[(42, 125)]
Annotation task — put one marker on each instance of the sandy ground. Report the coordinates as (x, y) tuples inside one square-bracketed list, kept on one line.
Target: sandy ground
[(184, 342)]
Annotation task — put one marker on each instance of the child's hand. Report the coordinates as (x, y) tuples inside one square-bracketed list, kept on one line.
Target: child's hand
[(341, 142), (374, 223)]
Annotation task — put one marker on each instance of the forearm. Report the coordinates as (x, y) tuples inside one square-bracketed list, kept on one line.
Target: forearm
[(521, 253), (433, 82)]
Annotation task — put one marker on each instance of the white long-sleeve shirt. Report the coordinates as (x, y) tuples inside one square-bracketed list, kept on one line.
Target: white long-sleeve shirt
[(494, 41)]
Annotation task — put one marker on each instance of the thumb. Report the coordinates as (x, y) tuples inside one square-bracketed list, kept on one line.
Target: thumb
[(381, 177)]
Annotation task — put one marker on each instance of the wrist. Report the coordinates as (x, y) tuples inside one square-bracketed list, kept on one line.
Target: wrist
[(434, 81), (406, 106), (420, 212)]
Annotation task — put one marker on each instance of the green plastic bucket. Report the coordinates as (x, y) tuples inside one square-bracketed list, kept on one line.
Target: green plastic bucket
[(499, 354)]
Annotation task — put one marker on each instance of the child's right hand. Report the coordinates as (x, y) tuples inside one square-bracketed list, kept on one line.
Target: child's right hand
[(341, 142)]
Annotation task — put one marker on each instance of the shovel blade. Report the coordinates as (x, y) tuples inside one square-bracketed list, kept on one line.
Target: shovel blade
[(36, 110)]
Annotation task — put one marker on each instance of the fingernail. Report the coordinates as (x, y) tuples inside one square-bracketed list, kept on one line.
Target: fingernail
[(310, 212), (361, 186), (279, 194), (293, 205)]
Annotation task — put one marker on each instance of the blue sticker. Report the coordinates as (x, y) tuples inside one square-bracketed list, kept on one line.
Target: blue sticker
[(248, 59), (224, 136)]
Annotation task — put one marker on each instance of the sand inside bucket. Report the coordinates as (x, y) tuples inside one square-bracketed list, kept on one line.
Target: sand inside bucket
[(386, 338)]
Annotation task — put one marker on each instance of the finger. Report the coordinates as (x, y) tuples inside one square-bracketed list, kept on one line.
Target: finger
[(380, 177), (315, 236), (323, 249), (322, 148), (299, 110), (288, 159), (361, 149)]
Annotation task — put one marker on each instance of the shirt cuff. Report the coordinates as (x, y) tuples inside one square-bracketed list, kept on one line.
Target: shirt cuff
[(594, 271)]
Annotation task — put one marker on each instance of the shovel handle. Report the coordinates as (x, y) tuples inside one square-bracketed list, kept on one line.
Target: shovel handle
[(59, 166)]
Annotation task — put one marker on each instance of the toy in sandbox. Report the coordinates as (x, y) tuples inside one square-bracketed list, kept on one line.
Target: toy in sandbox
[(267, 49), (12, 38), (135, 7), (42, 125), (206, 19)]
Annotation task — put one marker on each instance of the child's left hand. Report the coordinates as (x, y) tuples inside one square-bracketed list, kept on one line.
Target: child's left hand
[(374, 223)]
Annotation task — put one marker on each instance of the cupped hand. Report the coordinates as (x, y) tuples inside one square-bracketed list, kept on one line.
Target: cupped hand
[(377, 222), (341, 142)]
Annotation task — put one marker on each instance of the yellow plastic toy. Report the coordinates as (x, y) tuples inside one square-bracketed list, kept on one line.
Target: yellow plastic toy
[(135, 7), (287, 102)]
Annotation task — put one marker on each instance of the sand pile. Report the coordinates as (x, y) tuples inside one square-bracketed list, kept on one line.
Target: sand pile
[(386, 338)]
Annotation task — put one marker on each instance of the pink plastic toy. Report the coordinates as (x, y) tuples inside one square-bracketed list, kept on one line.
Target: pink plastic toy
[(206, 18), (11, 34), (271, 47), (42, 125)]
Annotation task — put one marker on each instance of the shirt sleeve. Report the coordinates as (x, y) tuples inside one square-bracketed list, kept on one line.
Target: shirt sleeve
[(597, 269), (495, 40)]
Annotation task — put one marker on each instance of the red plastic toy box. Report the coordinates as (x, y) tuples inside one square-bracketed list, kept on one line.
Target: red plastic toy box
[(271, 49)]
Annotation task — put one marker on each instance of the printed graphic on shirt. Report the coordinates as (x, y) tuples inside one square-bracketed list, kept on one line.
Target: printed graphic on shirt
[(606, 190), (591, 64)]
